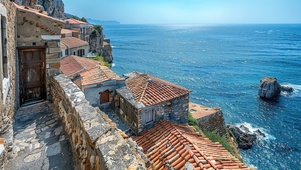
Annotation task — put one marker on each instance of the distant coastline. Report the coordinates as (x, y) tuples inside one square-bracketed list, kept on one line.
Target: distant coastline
[(102, 22)]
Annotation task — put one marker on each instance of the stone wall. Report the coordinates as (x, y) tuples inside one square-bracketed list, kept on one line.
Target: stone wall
[(127, 112), (32, 28), (175, 110), (96, 141), (8, 88), (212, 122)]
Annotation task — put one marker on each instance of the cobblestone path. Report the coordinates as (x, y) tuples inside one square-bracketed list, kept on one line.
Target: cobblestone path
[(39, 140)]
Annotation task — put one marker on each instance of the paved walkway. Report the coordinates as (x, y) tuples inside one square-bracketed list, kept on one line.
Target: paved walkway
[(39, 140), (118, 121)]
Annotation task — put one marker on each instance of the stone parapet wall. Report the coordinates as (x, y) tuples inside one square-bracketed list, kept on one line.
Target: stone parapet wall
[(96, 141), (213, 122)]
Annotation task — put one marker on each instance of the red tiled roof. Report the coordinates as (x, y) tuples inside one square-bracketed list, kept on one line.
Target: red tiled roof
[(75, 21), (63, 46), (66, 31), (98, 75), (73, 64), (37, 12), (151, 90), (171, 144), (72, 42)]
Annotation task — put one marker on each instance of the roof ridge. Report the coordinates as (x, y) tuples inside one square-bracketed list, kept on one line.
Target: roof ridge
[(197, 149), (141, 97), (164, 82)]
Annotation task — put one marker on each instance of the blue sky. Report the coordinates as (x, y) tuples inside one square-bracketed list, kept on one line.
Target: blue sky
[(188, 11)]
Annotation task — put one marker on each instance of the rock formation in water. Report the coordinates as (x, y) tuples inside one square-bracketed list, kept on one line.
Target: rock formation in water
[(244, 139), (287, 89), (98, 44), (269, 88), (54, 8)]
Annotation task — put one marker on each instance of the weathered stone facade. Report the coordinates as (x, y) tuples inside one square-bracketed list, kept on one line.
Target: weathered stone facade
[(7, 77), (95, 139), (213, 122), (175, 110), (35, 30)]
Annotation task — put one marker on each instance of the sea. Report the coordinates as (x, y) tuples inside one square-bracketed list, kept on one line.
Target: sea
[(223, 65)]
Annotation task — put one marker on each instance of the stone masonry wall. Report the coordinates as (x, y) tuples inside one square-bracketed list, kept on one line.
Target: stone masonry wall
[(30, 28), (7, 104), (96, 141), (175, 110), (213, 122)]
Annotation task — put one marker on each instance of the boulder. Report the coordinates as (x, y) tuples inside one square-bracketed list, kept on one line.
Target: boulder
[(244, 140), (269, 88)]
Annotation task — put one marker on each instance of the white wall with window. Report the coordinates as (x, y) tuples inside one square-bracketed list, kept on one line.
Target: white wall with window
[(3, 54)]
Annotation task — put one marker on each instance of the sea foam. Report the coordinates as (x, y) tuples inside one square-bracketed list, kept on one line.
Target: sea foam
[(253, 128)]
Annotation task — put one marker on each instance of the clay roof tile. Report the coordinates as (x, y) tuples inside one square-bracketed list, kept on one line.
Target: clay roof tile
[(151, 90), (178, 144)]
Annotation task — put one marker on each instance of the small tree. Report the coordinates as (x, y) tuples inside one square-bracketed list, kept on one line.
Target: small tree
[(75, 17), (83, 19), (98, 27)]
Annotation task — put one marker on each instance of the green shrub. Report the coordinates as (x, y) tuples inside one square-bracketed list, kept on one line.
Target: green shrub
[(215, 137), (193, 122), (100, 59)]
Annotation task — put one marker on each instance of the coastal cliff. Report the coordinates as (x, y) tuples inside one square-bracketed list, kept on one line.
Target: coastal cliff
[(54, 8)]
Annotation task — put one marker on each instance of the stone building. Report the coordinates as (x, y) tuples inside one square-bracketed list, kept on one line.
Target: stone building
[(97, 82), (84, 28), (74, 46), (29, 56), (147, 99), (209, 119), (38, 56)]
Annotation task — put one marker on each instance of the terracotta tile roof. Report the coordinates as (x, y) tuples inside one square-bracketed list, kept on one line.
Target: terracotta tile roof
[(75, 21), (72, 42), (151, 90), (98, 75), (171, 144), (198, 111), (37, 12), (66, 31), (63, 46), (72, 65)]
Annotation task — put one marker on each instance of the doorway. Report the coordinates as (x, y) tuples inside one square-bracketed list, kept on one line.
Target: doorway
[(104, 97), (32, 75)]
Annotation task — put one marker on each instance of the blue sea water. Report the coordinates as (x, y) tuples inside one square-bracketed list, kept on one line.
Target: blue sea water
[(223, 66)]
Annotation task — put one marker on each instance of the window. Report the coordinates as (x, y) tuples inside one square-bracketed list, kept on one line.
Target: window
[(4, 75), (148, 116), (74, 53), (83, 52), (4, 48), (66, 52)]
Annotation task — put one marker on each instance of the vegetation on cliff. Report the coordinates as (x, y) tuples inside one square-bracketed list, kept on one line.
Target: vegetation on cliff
[(100, 59), (215, 137), (193, 122)]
